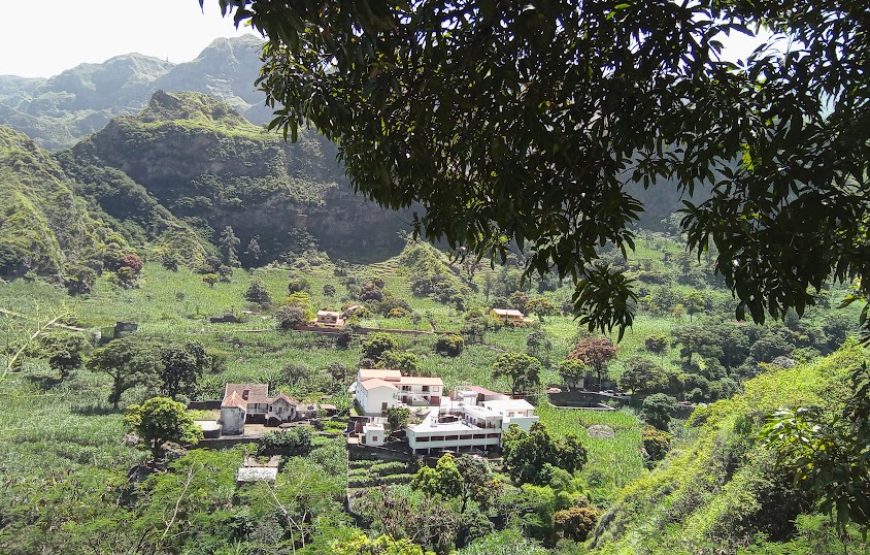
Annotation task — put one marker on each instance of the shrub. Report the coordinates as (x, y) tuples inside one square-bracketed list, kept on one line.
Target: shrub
[(656, 343), (289, 317), (397, 417), (297, 284), (292, 442), (576, 523), (377, 344), (450, 345), (401, 360), (656, 443), (658, 410), (258, 293)]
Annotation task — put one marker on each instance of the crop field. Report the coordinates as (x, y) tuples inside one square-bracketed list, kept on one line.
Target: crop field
[(613, 462)]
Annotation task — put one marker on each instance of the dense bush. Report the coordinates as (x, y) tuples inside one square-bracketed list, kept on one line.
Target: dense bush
[(290, 317), (292, 442), (576, 523), (377, 344), (658, 410), (656, 443), (450, 345)]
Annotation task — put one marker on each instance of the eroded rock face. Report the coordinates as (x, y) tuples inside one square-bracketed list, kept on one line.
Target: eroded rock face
[(207, 165)]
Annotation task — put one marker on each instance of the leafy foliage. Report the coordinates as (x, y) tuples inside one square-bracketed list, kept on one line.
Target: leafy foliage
[(447, 76), (595, 352), (828, 452), (658, 410), (160, 419), (377, 344), (523, 371), (530, 456), (129, 363)]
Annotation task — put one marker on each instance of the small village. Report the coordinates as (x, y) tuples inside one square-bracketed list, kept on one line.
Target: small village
[(394, 416)]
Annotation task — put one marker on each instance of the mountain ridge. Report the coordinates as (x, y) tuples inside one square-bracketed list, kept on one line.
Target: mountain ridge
[(59, 111)]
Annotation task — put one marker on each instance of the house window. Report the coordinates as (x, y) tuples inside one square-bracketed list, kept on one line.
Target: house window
[(437, 438), (374, 438), (384, 406), (451, 438), (425, 389), (423, 439), (406, 388)]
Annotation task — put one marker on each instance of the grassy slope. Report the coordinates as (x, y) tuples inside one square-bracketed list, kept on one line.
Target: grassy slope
[(715, 494), (42, 223)]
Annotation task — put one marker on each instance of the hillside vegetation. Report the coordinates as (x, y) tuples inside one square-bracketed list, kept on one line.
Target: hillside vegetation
[(212, 168), (722, 492), (44, 225)]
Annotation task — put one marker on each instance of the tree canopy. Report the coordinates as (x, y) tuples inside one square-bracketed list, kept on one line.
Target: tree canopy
[(129, 363), (520, 123), (160, 419)]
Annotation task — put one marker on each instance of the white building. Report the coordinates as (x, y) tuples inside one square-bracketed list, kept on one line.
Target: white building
[(464, 422), (418, 391), (377, 390), (373, 434), (509, 315), (329, 318), (244, 401), (375, 396)]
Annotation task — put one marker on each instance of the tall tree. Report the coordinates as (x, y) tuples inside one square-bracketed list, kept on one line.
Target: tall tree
[(160, 419), (254, 251), (523, 371), (465, 477), (561, 111), (596, 352), (64, 350), (642, 376), (129, 363), (229, 246), (183, 365), (528, 454)]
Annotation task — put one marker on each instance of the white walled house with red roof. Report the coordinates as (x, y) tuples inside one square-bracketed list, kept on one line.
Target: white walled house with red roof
[(377, 390), (375, 396), (244, 401)]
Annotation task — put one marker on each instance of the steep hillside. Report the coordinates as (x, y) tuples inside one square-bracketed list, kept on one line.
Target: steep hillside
[(208, 165), (60, 111), (43, 225), (133, 212), (722, 493)]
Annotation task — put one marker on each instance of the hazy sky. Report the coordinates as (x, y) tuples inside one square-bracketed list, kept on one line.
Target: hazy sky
[(45, 37)]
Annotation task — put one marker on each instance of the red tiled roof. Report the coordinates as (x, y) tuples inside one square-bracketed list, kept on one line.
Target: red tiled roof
[(420, 380), (289, 400), (386, 374), (234, 400), (375, 383), (253, 389)]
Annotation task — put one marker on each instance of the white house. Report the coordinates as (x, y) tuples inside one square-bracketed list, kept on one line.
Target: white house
[(417, 391), (509, 315), (245, 401), (467, 422), (373, 434), (234, 412), (375, 396), (329, 318), (377, 390)]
